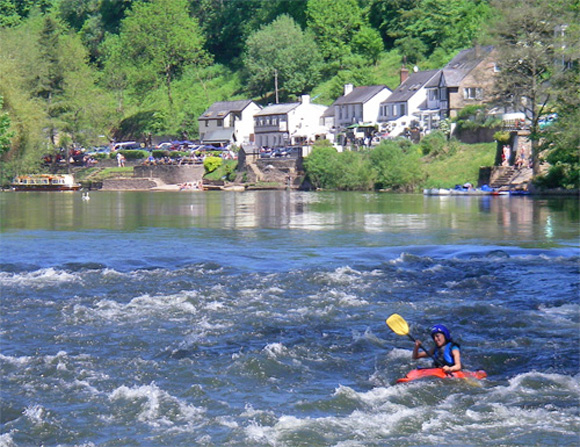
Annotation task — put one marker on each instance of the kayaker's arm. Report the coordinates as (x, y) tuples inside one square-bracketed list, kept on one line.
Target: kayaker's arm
[(457, 360), (418, 354)]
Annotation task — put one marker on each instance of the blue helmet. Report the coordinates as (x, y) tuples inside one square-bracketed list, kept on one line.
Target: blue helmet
[(440, 329)]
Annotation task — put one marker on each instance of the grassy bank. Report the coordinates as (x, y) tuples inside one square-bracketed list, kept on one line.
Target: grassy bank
[(446, 171)]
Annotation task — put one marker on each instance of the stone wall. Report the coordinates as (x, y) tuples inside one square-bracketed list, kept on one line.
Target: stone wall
[(170, 174), (128, 184)]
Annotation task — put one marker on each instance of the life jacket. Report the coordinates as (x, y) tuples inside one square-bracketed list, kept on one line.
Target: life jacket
[(443, 355)]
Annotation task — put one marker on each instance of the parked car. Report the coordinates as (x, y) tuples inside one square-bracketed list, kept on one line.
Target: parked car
[(126, 145)]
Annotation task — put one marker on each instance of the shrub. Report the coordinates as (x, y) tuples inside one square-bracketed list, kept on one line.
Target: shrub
[(434, 143), (321, 166), (210, 164), (502, 137), (134, 154), (394, 168)]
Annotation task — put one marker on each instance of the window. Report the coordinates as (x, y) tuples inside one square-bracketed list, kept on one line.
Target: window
[(220, 123), (403, 109), (473, 93)]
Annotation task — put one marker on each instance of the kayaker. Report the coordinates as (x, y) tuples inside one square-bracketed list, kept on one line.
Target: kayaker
[(446, 352)]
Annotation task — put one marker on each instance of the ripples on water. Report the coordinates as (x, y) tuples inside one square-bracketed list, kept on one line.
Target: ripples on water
[(277, 338)]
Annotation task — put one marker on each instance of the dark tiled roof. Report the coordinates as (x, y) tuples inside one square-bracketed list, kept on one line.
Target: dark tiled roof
[(277, 109), (412, 84), (219, 136), (462, 64), (222, 108), (360, 95)]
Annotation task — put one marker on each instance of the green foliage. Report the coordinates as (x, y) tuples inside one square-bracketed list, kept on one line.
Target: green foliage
[(459, 167), (227, 171), (134, 154), (281, 48), (527, 47), (474, 117), (158, 39), (321, 167), (431, 24), (368, 43), (5, 133), (562, 143), (395, 168), (210, 164), (334, 23), (434, 144), (502, 137)]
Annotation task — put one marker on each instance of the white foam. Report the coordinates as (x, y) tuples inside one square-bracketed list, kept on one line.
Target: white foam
[(35, 413), (158, 408), (144, 306), (39, 278), (16, 361), (6, 440), (275, 350)]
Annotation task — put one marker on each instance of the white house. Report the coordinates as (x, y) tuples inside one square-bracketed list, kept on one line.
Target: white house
[(359, 105), (414, 103), (228, 122), (287, 124)]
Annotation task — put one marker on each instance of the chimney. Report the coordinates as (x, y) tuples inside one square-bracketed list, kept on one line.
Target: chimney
[(404, 74), (348, 89), (305, 99)]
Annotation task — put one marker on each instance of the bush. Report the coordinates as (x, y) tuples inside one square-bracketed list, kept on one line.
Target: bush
[(321, 166), (394, 168), (433, 143), (130, 154), (502, 137), (210, 164)]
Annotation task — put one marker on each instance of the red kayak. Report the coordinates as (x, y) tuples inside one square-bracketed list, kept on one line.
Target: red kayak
[(438, 372)]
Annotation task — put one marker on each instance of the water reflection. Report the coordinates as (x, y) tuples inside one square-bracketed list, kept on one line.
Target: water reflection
[(453, 218)]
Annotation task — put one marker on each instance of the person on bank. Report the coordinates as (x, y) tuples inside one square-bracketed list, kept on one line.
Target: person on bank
[(446, 353)]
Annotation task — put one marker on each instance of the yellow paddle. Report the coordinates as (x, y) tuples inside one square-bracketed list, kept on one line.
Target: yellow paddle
[(400, 327)]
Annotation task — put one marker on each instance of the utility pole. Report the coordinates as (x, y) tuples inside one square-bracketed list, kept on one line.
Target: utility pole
[(276, 83)]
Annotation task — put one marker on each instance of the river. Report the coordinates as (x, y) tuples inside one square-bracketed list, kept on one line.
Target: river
[(258, 319)]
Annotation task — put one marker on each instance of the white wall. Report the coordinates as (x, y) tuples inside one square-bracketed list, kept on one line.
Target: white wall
[(245, 127)]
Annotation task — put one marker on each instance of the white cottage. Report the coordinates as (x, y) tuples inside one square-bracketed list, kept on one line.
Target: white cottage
[(288, 124), (227, 122), (409, 105), (358, 105)]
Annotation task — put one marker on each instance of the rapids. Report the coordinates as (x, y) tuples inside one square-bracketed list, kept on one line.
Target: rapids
[(258, 319)]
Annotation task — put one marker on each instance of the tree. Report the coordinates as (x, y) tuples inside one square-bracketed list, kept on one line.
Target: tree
[(528, 44), (158, 39), (5, 134), (334, 22), (227, 24), (281, 49), (367, 42), (49, 74), (395, 168)]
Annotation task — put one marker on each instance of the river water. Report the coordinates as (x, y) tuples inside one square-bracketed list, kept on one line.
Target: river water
[(258, 319)]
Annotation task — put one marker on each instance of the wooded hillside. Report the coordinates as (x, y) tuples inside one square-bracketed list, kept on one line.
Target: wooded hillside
[(85, 72)]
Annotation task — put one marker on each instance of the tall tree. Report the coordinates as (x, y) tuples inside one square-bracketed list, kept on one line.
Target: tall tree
[(158, 39), (227, 24), (282, 49), (334, 23), (529, 35), (49, 74), (5, 134)]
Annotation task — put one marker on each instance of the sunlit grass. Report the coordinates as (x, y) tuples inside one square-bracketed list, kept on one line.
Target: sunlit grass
[(461, 167)]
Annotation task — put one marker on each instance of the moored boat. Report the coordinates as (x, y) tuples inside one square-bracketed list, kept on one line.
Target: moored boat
[(45, 182)]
